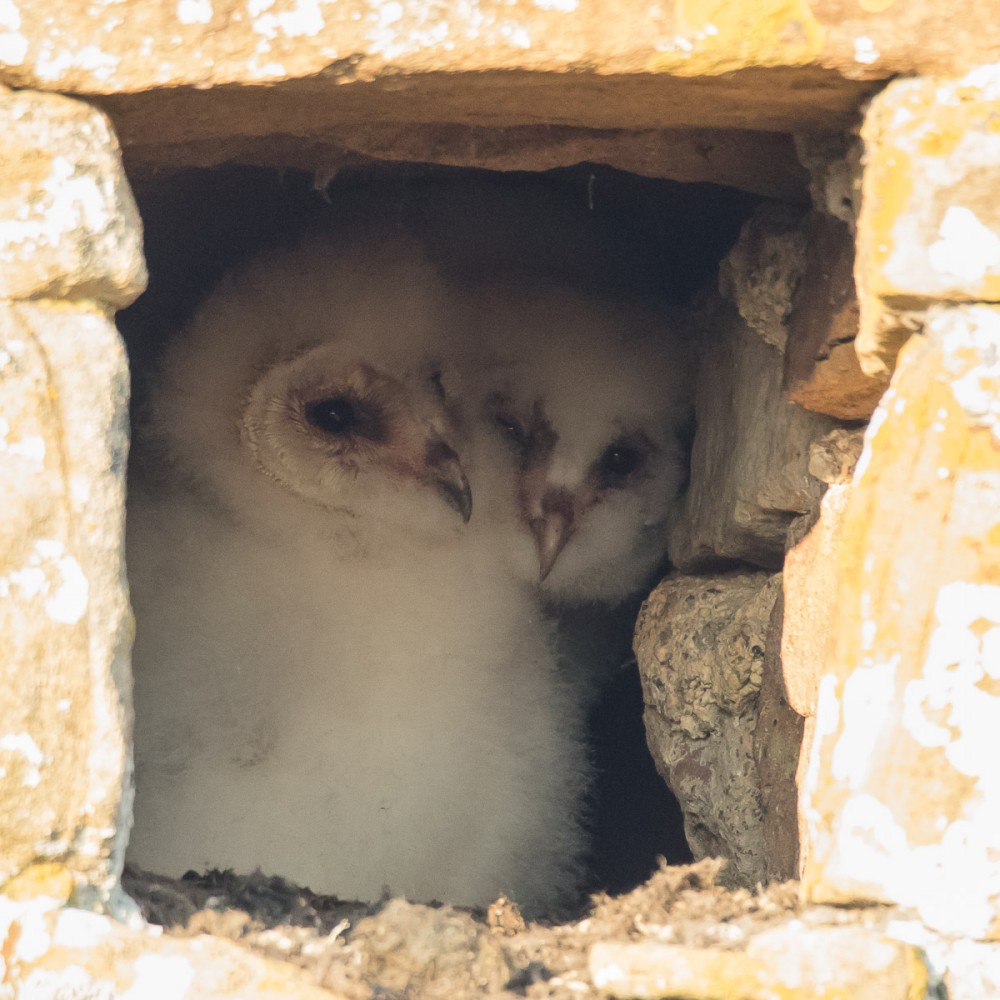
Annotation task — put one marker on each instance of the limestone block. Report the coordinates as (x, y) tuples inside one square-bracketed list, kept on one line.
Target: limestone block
[(64, 672), (822, 371), (700, 647), (929, 228), (760, 273), (901, 793), (791, 962), (749, 464), (64, 952), (69, 227), (199, 43)]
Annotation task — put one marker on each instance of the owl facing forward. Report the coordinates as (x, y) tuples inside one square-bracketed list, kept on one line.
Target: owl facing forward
[(334, 681)]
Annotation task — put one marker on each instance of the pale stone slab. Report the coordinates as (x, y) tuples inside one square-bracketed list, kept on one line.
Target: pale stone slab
[(901, 793), (700, 647), (145, 43), (791, 962), (65, 710), (64, 952), (69, 227)]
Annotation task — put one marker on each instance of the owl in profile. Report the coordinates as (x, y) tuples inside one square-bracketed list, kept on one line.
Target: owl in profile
[(335, 680)]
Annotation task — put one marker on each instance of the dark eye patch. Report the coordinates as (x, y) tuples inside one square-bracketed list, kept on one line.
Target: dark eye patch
[(342, 416), (438, 386), (511, 429), (619, 461)]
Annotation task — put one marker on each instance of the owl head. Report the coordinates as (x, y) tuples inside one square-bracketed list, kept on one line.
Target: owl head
[(312, 388), (578, 454)]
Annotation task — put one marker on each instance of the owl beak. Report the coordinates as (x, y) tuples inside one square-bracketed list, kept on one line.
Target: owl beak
[(446, 473), (553, 529)]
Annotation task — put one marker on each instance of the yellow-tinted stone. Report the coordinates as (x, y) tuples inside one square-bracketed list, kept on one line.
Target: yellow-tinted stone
[(790, 962), (53, 880), (929, 228), (901, 793)]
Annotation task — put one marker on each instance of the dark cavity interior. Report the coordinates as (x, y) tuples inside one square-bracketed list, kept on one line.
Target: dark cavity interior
[(657, 235)]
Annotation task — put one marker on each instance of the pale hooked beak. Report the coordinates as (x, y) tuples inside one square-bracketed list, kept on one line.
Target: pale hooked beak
[(553, 529), (446, 473)]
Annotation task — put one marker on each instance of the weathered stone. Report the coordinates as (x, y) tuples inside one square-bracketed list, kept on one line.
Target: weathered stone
[(777, 741), (68, 225), (790, 961), (834, 457), (809, 590), (833, 160), (929, 229), (810, 571), (822, 371), (970, 970), (749, 464), (960, 969), (760, 273), (53, 952), (759, 162), (65, 711), (900, 795), (202, 43), (700, 647), (435, 952)]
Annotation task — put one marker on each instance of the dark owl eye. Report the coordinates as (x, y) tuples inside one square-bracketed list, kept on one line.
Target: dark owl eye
[(618, 462), (335, 415), (511, 429)]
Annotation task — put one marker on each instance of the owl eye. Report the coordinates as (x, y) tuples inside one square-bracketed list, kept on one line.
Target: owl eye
[(511, 429), (335, 415), (617, 463)]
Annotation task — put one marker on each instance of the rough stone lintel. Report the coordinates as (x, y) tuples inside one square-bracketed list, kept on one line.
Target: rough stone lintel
[(204, 43), (175, 76)]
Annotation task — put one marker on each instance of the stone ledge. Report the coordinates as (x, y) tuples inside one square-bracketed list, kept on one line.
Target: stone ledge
[(207, 43)]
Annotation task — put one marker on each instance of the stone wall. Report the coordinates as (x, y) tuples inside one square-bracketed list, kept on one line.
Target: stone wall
[(70, 253), (886, 658)]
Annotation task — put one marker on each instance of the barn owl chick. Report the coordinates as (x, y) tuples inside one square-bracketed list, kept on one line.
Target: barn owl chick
[(332, 682), (581, 406)]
